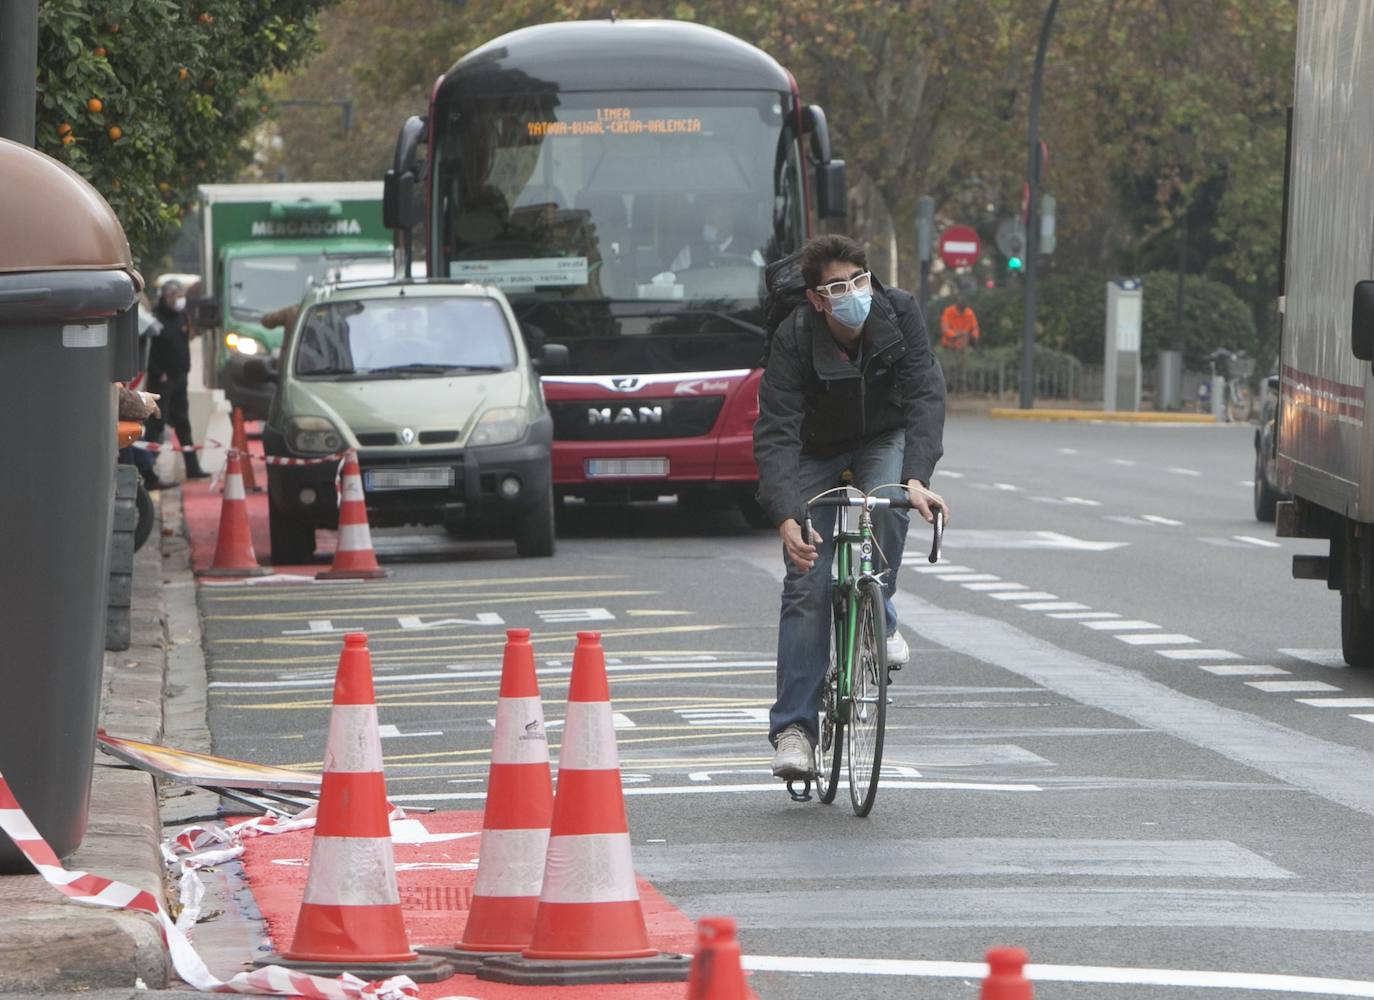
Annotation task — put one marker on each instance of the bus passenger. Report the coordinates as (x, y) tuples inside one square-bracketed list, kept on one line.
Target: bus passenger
[(850, 384)]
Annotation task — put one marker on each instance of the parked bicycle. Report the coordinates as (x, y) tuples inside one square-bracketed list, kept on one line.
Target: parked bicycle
[(853, 712), (1236, 368)]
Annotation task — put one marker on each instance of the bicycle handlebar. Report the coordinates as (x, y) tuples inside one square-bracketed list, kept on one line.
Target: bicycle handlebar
[(872, 503)]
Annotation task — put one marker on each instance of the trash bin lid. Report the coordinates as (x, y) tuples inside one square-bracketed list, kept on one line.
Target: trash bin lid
[(54, 220)]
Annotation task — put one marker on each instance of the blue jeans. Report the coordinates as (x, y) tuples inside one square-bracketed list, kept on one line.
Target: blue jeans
[(804, 625)]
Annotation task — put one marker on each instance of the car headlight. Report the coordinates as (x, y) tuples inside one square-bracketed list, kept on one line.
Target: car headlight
[(243, 345), (500, 426), (313, 435)]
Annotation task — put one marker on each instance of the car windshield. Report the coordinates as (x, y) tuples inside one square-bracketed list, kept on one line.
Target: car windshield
[(258, 285), (404, 338)]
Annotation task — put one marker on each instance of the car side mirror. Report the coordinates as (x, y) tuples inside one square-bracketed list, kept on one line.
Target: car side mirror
[(552, 358), (205, 312), (831, 198), (258, 371), (1362, 322)]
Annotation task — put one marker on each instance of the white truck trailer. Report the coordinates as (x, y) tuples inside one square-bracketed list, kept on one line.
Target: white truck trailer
[(1324, 440)]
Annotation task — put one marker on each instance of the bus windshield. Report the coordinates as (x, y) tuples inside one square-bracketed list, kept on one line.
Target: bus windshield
[(621, 208)]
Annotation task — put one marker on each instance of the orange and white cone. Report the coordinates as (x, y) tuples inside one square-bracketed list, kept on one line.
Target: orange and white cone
[(515, 823), (716, 970), (589, 926), (239, 442), (1006, 979), (350, 918), (234, 554), (353, 556)]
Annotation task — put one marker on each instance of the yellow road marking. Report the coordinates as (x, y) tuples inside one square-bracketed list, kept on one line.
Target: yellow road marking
[(332, 592), (389, 611)]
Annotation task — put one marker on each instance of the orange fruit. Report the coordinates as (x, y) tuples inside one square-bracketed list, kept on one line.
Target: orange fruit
[(68, 139), (182, 73), (94, 105), (114, 132), (63, 129), (99, 51), (163, 186)]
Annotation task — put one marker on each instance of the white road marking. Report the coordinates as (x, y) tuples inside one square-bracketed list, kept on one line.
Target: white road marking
[(1126, 519), (1159, 519), (1262, 542), (1364, 718), (317, 626), (1123, 461), (968, 577), (1241, 670), (939, 568), (1024, 595), (1006, 487), (1001, 585), (1121, 625), (1155, 638), (557, 615), (1086, 615), (773, 787), (490, 618), (1278, 686), (1068, 451), (1338, 702), (960, 540), (1054, 606), (715, 716), (1180, 471), (951, 475), (1199, 654), (1083, 501), (1332, 658), (389, 732), (1188, 978), (1249, 484)]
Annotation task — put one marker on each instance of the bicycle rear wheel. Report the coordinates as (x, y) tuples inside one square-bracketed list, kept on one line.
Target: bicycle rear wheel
[(830, 723), (867, 698)]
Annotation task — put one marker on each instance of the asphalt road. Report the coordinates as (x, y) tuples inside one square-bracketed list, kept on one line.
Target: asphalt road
[(1125, 741)]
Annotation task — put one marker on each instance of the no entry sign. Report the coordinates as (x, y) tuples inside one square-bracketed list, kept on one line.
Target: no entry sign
[(959, 246)]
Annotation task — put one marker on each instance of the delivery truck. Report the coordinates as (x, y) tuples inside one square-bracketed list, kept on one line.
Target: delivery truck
[(262, 245), (1323, 438)]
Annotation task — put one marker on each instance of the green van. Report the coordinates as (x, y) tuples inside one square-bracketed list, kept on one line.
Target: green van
[(431, 384)]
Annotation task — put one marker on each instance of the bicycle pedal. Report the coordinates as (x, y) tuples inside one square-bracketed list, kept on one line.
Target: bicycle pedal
[(804, 795)]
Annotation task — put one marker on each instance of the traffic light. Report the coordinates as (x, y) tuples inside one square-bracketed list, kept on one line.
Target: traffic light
[(1014, 263)]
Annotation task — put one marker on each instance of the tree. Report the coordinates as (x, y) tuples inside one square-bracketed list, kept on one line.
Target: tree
[(148, 98)]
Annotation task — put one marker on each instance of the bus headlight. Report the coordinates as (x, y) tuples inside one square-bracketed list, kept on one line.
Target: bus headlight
[(500, 426), (243, 345), (313, 435)]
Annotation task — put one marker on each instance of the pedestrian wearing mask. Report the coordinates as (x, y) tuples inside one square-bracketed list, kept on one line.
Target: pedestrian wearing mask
[(850, 383), (169, 365)]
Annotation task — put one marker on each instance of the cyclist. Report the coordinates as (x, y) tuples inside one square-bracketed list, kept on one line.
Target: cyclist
[(850, 383)]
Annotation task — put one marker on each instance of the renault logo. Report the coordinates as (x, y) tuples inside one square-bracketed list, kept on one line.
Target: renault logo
[(407, 435)]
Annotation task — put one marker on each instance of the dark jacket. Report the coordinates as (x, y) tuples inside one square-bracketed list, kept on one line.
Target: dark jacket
[(169, 354), (814, 401)]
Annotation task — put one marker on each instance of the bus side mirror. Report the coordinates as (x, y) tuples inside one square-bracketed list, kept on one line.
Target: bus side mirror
[(552, 358), (832, 200), (1362, 322), (398, 200)]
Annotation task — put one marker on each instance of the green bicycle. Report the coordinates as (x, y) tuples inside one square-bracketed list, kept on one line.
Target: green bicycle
[(853, 709)]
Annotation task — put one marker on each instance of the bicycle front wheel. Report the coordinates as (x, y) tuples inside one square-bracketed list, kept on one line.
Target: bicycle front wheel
[(867, 698), (830, 723)]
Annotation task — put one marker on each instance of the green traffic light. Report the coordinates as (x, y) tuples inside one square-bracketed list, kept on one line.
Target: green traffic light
[(1013, 263)]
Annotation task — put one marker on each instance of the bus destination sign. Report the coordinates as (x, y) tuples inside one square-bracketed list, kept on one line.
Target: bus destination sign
[(615, 121)]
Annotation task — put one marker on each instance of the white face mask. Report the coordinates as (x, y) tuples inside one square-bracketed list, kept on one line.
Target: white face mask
[(179, 304)]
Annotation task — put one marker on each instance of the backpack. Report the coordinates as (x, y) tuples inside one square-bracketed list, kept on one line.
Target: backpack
[(784, 290)]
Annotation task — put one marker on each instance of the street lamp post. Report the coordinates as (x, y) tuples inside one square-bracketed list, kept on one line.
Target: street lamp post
[(18, 69), (1033, 215)]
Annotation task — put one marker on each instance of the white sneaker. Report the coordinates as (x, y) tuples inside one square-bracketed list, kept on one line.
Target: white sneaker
[(898, 652), (794, 757)]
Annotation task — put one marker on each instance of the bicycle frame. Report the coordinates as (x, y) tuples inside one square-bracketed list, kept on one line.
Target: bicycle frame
[(844, 586)]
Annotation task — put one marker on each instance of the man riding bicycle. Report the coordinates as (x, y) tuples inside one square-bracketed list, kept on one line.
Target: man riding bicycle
[(850, 383)]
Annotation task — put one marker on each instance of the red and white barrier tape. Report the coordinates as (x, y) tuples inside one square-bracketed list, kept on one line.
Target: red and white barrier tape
[(93, 890), (157, 446)]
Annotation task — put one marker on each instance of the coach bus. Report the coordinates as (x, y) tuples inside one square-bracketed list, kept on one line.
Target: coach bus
[(625, 182)]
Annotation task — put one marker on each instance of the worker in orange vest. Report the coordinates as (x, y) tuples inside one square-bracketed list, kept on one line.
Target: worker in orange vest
[(958, 326)]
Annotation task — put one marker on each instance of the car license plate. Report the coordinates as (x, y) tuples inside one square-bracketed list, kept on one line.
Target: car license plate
[(377, 480), (613, 468)]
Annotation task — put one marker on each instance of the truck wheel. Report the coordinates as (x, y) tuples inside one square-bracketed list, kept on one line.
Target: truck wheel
[(534, 534), (1357, 632), (1266, 498), (293, 540)]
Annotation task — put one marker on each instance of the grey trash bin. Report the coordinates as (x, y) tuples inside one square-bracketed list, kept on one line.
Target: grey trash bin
[(68, 331)]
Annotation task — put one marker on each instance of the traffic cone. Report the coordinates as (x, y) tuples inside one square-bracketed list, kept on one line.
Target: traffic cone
[(716, 970), (239, 442), (234, 554), (589, 926), (1006, 979), (515, 823), (353, 556), (350, 918)]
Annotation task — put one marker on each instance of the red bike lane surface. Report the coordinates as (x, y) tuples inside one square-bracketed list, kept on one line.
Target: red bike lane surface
[(435, 880)]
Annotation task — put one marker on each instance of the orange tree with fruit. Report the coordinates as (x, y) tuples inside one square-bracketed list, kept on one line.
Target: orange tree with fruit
[(148, 98)]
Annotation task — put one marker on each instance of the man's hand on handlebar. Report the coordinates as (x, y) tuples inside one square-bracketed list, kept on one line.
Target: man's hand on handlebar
[(800, 551), (923, 499)]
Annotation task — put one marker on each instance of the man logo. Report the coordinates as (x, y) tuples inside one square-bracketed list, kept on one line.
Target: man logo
[(407, 435), (624, 415)]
